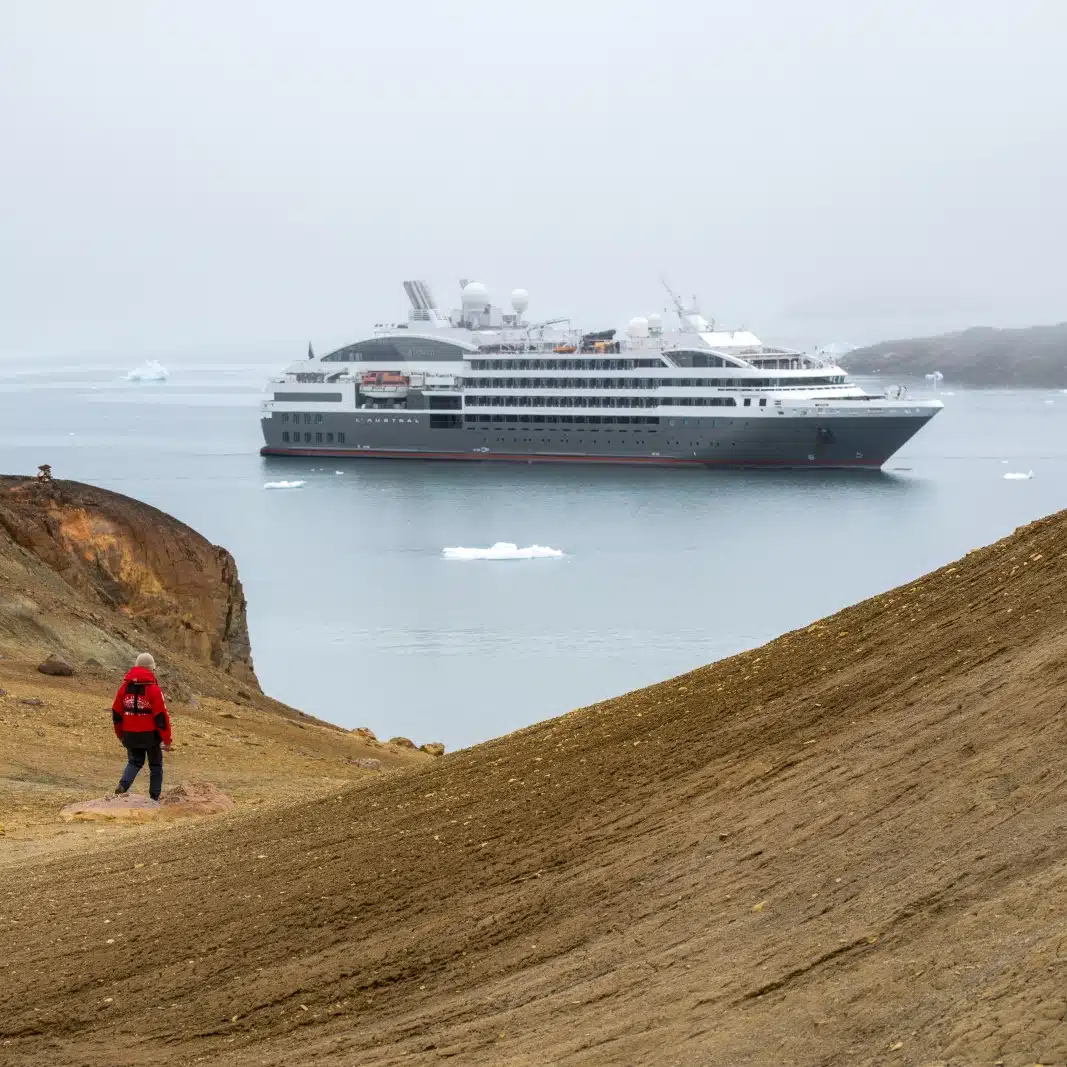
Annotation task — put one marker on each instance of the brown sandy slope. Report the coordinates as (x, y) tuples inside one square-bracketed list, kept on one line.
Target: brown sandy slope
[(846, 847)]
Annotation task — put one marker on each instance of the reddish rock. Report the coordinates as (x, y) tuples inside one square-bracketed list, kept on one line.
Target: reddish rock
[(434, 748), (402, 742), (195, 798), (366, 733)]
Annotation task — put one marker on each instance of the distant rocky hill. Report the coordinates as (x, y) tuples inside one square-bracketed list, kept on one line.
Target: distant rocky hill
[(982, 356)]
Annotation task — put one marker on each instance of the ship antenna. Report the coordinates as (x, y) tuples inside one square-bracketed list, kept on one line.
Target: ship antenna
[(677, 300)]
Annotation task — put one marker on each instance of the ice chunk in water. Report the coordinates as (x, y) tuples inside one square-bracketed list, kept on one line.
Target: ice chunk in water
[(282, 485), (503, 550), (152, 371), (1015, 476)]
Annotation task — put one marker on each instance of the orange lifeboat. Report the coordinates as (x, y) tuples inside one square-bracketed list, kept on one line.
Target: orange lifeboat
[(564, 349), (384, 385)]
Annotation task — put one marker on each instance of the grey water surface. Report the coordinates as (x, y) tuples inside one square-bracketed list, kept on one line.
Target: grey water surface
[(356, 617)]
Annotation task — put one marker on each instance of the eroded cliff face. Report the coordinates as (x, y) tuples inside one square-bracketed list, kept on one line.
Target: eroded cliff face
[(137, 561)]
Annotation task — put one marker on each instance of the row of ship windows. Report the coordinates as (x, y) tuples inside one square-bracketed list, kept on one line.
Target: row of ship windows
[(296, 418), (320, 438), (606, 401), (648, 383), (569, 364), (474, 421)]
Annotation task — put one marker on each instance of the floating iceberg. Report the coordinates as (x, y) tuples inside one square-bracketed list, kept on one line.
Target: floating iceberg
[(152, 371), (1015, 476), (502, 550), (282, 485)]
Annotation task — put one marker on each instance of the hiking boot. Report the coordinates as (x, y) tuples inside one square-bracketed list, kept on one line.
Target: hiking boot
[(120, 789)]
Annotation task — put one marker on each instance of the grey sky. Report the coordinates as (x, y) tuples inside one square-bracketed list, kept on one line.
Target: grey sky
[(238, 177)]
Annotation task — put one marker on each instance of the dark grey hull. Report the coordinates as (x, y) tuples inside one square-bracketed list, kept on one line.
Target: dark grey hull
[(771, 440)]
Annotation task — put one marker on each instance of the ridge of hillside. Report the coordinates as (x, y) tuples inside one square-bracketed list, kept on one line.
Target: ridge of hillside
[(847, 846), (1033, 357)]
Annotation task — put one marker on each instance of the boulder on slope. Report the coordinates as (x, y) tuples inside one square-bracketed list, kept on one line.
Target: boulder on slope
[(56, 666)]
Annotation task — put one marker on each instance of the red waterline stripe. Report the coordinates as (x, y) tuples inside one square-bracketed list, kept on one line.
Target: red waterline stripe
[(660, 461)]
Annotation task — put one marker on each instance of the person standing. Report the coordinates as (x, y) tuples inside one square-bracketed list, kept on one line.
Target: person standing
[(142, 723)]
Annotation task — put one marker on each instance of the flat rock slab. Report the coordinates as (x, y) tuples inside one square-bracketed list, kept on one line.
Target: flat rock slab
[(186, 799), (127, 808)]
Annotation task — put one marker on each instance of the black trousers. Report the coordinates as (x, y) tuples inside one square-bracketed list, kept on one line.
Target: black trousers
[(155, 768)]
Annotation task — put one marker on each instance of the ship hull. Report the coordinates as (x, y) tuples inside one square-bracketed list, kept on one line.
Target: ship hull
[(863, 441)]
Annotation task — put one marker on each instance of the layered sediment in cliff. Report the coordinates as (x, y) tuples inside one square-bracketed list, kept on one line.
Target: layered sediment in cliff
[(148, 575)]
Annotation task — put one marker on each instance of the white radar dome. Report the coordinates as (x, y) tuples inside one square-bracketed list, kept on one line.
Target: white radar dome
[(475, 294), (637, 328), (655, 322), (520, 300)]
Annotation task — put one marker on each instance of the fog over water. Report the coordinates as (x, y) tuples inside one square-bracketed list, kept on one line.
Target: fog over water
[(232, 179)]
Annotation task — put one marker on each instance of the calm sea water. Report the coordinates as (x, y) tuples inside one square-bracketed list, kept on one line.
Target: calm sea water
[(356, 617)]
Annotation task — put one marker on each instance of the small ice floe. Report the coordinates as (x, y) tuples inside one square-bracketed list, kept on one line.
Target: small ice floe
[(282, 485), (503, 550), (1050, 401), (152, 371), (338, 472), (1016, 476)]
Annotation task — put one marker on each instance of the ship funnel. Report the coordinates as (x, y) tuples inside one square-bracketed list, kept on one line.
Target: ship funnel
[(420, 296)]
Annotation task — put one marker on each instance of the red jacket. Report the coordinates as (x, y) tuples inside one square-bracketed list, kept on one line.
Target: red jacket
[(139, 713)]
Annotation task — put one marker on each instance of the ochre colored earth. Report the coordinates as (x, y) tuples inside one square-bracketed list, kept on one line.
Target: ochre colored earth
[(846, 847)]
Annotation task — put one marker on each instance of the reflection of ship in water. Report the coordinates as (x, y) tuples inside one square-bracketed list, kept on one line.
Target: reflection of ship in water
[(482, 383)]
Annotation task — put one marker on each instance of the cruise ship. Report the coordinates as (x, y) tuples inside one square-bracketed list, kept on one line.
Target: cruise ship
[(481, 383)]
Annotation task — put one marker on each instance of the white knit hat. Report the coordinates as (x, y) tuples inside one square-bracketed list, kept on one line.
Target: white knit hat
[(145, 660)]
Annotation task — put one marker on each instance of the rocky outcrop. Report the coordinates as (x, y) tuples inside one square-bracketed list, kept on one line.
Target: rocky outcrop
[(132, 559)]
